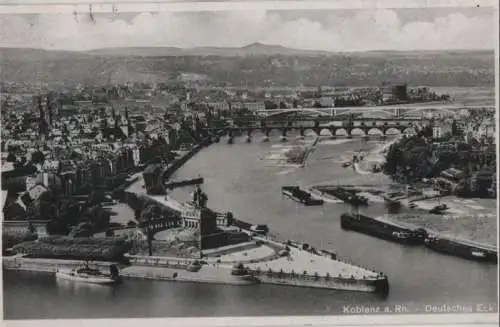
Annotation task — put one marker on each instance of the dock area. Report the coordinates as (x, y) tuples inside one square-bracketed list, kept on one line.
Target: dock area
[(300, 261), (269, 262), (265, 260), (207, 274)]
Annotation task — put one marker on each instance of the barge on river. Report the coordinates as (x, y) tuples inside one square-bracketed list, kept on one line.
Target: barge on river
[(297, 194), (383, 228), (347, 196), (462, 248)]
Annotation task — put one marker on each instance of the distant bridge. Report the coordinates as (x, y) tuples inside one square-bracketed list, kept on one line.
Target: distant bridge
[(386, 111), (363, 127)]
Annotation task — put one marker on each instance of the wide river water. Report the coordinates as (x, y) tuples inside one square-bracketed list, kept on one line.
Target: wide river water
[(239, 180)]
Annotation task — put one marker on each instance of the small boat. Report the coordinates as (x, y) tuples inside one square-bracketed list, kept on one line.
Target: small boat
[(401, 235), (478, 254), (194, 266), (242, 273), (346, 164), (185, 147), (439, 209), (89, 275)]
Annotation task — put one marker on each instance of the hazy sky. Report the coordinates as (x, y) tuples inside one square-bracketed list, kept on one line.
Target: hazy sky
[(332, 30)]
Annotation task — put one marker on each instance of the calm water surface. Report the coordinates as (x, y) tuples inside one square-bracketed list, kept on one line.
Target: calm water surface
[(236, 179)]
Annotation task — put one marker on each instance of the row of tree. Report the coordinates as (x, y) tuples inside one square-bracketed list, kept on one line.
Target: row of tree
[(414, 158)]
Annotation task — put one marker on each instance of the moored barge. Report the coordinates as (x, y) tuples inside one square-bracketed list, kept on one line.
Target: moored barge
[(462, 248), (383, 228), (297, 194), (347, 196)]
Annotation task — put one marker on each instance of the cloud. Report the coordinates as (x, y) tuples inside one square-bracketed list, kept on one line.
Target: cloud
[(363, 30)]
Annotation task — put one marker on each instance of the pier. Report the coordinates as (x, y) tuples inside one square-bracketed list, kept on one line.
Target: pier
[(186, 182)]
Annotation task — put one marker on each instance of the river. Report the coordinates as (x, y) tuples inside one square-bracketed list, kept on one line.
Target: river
[(237, 179)]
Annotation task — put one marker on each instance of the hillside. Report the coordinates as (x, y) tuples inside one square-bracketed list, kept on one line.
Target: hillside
[(254, 65)]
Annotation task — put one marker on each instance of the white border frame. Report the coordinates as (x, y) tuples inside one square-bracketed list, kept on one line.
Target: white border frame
[(106, 6), (132, 6)]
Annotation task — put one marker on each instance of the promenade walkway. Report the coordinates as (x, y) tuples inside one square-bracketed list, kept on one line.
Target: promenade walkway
[(207, 274), (299, 261)]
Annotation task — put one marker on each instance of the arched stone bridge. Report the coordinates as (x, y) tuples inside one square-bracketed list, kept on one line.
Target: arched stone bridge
[(348, 128)]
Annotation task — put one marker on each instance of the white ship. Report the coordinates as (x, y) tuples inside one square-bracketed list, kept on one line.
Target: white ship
[(89, 275)]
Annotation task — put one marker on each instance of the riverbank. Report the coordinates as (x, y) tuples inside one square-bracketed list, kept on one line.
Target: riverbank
[(236, 180), (265, 263), (468, 218)]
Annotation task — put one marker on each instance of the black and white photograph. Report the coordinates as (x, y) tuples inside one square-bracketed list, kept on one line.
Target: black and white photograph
[(196, 160)]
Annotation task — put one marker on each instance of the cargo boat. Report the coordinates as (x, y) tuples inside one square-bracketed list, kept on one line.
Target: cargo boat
[(297, 194), (347, 196), (462, 248), (383, 228)]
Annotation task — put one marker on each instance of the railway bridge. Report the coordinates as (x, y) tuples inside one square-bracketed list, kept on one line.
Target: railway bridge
[(388, 111)]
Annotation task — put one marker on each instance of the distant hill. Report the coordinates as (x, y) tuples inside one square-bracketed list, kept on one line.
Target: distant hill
[(255, 65), (257, 49), (29, 54)]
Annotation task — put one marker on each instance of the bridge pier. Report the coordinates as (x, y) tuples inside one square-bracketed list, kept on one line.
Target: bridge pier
[(283, 135), (266, 131), (230, 139), (302, 131), (249, 136)]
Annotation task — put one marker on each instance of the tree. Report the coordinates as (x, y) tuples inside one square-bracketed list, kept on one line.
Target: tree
[(38, 157), (96, 197), (270, 105), (229, 218), (146, 217), (11, 157)]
